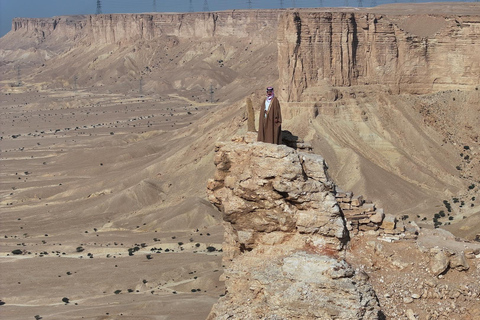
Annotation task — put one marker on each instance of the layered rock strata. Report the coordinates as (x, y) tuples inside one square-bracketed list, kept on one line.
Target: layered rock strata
[(285, 235), (408, 53)]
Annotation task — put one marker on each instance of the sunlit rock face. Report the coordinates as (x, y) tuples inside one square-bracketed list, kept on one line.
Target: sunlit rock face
[(407, 53), (284, 238)]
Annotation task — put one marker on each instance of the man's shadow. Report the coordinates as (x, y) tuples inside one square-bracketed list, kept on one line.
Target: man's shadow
[(289, 139)]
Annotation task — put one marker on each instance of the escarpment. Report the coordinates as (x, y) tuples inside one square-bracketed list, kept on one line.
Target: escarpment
[(407, 51), (124, 28), (371, 47), (285, 236)]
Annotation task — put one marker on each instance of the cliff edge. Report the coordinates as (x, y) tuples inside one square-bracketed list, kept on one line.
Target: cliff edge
[(285, 235), (297, 247)]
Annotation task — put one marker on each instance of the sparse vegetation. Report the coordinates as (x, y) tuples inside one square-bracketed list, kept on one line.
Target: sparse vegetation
[(132, 250), (447, 205)]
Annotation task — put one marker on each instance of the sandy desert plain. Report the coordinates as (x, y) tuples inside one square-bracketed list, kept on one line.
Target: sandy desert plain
[(106, 149)]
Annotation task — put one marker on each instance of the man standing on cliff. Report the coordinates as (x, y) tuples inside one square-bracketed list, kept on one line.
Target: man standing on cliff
[(270, 120)]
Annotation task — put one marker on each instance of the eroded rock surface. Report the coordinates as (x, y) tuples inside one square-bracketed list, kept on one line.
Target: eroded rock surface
[(284, 238)]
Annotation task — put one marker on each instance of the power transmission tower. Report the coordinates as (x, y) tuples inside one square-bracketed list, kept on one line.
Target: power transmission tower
[(205, 6), (249, 4), (154, 6), (374, 3), (190, 7), (360, 3), (99, 7), (281, 4), (211, 93)]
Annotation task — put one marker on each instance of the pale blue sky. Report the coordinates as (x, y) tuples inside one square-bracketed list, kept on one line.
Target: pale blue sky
[(50, 8)]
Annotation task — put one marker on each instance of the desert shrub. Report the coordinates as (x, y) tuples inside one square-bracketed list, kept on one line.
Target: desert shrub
[(472, 186), (466, 147), (80, 249), (17, 251), (450, 218), (211, 249), (441, 213), (117, 291), (455, 200), (66, 300), (132, 250), (447, 205)]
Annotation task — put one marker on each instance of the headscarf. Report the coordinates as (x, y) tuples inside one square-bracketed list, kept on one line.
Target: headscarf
[(273, 93)]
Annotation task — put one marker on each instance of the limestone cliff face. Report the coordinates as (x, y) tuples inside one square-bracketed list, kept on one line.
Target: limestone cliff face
[(284, 235), (359, 48), (118, 28)]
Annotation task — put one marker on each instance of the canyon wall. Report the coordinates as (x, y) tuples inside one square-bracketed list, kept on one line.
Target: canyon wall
[(121, 28), (409, 53)]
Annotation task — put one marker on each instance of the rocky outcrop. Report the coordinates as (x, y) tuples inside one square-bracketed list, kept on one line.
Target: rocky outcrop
[(284, 238)]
